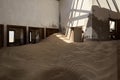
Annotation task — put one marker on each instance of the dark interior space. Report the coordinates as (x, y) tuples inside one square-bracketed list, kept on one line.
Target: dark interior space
[(1, 35), (16, 35), (118, 30), (50, 31), (35, 34)]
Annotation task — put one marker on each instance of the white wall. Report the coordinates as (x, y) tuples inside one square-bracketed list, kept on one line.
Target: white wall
[(29, 12), (74, 13)]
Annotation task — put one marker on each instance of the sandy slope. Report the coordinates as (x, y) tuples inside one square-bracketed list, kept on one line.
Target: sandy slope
[(54, 59), (118, 52)]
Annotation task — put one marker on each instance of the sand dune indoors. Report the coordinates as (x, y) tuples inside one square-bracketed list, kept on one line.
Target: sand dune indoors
[(55, 59)]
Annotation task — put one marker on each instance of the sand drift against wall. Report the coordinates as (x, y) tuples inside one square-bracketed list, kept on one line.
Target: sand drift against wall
[(54, 59)]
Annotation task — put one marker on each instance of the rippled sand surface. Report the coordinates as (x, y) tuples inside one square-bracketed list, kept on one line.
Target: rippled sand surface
[(55, 59)]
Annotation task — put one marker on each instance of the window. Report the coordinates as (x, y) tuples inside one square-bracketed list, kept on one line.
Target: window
[(11, 36)]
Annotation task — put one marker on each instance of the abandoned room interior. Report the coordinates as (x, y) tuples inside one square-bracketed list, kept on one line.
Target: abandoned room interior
[(59, 39)]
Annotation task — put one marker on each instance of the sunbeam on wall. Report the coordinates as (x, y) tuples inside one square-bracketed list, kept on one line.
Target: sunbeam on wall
[(74, 13), (79, 13)]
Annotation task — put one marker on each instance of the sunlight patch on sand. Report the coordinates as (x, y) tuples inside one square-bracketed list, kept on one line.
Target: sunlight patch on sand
[(63, 38)]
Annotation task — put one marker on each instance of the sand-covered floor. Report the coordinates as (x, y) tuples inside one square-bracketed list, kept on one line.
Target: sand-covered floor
[(54, 59)]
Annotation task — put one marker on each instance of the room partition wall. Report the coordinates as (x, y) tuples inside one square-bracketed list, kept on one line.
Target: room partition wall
[(1, 35)]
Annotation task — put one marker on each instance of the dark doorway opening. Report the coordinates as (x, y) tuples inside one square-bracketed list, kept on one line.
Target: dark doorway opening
[(16, 35), (36, 34), (50, 31), (1, 35)]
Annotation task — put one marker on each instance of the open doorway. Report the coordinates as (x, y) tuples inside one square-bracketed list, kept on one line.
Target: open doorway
[(112, 29), (16, 35), (50, 31), (11, 36), (36, 34)]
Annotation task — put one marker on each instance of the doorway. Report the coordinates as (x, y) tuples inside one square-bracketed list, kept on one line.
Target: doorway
[(36, 34), (16, 35), (112, 29), (11, 36)]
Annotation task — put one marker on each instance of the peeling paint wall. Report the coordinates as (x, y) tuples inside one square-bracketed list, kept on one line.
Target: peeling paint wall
[(43, 13), (102, 12)]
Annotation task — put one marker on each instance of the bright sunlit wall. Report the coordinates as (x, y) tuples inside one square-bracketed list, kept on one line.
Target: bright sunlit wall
[(74, 13)]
